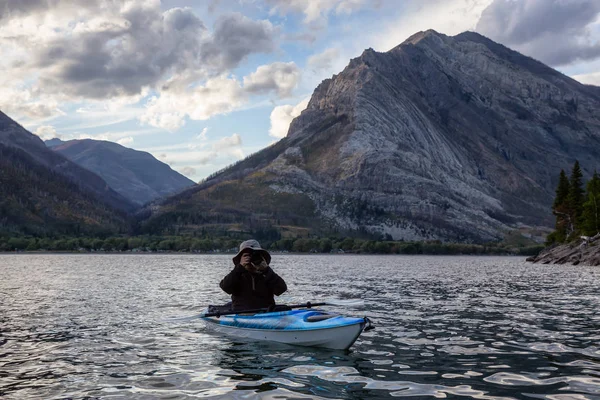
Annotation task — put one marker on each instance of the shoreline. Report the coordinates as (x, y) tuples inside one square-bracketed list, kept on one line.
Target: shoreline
[(583, 251), (126, 253)]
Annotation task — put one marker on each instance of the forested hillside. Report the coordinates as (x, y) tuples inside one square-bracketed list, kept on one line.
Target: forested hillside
[(36, 200)]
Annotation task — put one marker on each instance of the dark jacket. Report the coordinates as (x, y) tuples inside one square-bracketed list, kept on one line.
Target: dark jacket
[(252, 290)]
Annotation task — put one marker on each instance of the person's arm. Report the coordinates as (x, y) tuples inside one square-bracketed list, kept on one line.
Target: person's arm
[(275, 282), (231, 283)]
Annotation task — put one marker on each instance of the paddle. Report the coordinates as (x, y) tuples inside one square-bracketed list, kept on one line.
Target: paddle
[(286, 307), (264, 310)]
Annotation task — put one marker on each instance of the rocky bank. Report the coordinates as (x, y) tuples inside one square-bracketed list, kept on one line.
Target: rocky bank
[(582, 252)]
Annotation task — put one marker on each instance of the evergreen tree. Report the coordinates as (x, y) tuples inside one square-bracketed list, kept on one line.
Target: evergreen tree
[(560, 208), (576, 197), (562, 190), (591, 208)]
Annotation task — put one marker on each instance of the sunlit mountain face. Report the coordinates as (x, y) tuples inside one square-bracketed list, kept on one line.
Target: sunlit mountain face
[(450, 138)]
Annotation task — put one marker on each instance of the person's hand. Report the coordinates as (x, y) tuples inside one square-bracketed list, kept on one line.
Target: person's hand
[(245, 260)]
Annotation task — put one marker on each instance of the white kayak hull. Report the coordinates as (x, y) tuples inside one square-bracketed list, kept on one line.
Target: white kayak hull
[(297, 327), (339, 338)]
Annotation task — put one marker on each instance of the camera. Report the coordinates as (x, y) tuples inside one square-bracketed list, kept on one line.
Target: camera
[(256, 259)]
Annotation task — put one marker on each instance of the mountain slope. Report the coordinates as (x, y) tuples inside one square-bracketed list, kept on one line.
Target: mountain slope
[(136, 175), (451, 138), (14, 135), (42, 192)]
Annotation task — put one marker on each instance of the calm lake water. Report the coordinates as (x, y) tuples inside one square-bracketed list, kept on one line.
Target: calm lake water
[(94, 326)]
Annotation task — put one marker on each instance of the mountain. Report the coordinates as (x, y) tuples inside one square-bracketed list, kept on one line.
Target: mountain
[(53, 142), (136, 175), (41, 192), (450, 138)]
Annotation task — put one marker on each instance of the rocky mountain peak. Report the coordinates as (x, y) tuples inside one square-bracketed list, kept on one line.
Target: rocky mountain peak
[(429, 36), (451, 138)]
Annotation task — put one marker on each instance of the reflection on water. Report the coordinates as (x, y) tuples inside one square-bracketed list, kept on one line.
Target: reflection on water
[(80, 326)]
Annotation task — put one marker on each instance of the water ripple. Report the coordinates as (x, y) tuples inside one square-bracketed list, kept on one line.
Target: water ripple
[(76, 326)]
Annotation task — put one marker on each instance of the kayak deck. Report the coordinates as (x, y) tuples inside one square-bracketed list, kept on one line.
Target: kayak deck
[(299, 327)]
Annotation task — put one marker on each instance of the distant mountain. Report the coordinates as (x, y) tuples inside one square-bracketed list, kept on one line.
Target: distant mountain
[(42, 192), (450, 138), (53, 142), (136, 175)]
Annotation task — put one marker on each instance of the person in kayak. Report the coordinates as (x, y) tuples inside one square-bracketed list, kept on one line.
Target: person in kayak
[(252, 283)]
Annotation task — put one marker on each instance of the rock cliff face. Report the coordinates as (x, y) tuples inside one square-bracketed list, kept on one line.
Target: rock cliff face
[(136, 175), (450, 138)]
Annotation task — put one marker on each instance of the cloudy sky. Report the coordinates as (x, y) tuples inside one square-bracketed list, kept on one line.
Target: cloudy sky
[(201, 84)]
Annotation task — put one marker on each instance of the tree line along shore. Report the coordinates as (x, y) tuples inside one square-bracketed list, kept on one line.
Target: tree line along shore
[(183, 244)]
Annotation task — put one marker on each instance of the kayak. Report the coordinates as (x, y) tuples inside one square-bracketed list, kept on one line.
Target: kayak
[(302, 327)]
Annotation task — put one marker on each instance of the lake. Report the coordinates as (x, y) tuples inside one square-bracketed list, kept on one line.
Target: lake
[(96, 326)]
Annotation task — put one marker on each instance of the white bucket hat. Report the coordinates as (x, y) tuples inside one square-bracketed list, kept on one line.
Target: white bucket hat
[(254, 246)]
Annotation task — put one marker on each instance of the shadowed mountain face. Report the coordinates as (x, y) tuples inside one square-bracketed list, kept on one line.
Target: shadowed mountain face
[(136, 175), (451, 138), (42, 192)]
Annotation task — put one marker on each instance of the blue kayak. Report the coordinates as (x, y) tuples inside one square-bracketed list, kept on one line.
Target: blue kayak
[(303, 327)]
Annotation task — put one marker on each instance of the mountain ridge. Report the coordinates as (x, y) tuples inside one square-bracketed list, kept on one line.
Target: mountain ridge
[(43, 193), (451, 138), (136, 175), (14, 135)]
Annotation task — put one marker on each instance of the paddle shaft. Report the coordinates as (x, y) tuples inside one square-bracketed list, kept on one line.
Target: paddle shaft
[(262, 310)]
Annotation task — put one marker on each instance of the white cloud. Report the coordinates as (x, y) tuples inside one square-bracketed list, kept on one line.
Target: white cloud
[(220, 151), (97, 115), (22, 103), (279, 77), (315, 10), (168, 110), (125, 141), (588, 79), (46, 132), (188, 171), (162, 114), (228, 142), (80, 50), (202, 135), (219, 95), (205, 158), (106, 49), (110, 136), (173, 147), (323, 61), (282, 116)]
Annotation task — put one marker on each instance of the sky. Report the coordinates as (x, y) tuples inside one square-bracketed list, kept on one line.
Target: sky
[(202, 84)]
